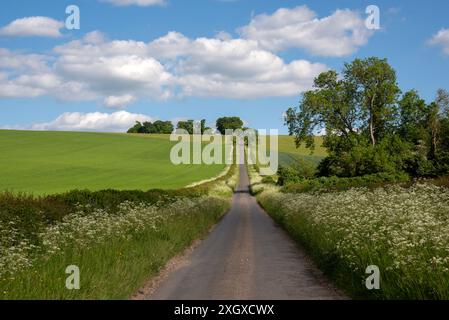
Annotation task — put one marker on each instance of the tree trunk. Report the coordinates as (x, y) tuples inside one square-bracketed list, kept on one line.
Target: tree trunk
[(434, 129), (371, 131), (433, 149), (371, 122)]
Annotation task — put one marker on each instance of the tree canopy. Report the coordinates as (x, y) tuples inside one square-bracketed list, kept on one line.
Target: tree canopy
[(369, 126), (166, 127), (189, 125), (232, 123), (163, 127)]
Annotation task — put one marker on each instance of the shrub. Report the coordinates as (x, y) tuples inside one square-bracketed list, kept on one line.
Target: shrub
[(268, 180), (442, 164), (328, 184), (297, 172)]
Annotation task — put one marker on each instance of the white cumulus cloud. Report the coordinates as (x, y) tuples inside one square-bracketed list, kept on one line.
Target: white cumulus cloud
[(113, 68), (25, 75), (117, 73), (237, 68), (441, 39), (33, 27), (339, 34), (118, 102), (118, 121)]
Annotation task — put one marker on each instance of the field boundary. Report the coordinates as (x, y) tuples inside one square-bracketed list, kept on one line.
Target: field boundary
[(219, 176)]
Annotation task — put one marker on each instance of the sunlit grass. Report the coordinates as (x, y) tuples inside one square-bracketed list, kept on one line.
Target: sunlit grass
[(53, 162)]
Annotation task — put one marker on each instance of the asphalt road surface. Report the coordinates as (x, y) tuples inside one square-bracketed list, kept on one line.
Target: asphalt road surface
[(246, 256)]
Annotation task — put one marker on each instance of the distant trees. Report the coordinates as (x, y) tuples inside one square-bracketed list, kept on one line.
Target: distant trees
[(370, 127), (189, 125), (164, 127), (224, 123), (186, 125), (137, 128)]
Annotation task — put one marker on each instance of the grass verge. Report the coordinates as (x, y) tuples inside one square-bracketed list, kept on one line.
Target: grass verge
[(405, 232), (402, 229), (118, 239), (116, 266)]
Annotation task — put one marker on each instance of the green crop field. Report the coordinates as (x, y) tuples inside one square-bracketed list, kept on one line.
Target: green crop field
[(51, 162), (288, 153)]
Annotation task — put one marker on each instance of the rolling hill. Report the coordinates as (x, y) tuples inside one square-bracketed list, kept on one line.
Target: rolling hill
[(52, 162)]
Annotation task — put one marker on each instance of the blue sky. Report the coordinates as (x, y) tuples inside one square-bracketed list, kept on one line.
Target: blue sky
[(199, 59)]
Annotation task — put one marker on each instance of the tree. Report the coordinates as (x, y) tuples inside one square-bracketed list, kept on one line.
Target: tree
[(203, 126), (232, 123), (439, 125), (189, 126), (413, 129), (442, 100), (368, 127), (163, 127), (363, 100), (329, 106), (359, 113), (433, 121), (186, 125), (438, 112), (413, 117), (148, 127), (136, 128), (376, 92)]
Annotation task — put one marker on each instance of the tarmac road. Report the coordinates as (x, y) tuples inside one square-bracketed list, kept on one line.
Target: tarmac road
[(246, 256)]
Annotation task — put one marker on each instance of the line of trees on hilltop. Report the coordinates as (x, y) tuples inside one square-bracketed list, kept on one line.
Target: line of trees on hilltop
[(370, 125), (189, 125), (167, 127)]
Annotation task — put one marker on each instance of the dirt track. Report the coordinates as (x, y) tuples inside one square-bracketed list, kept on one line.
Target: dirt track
[(246, 256)]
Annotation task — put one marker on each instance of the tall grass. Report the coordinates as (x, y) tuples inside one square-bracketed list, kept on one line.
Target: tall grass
[(404, 231), (115, 252), (118, 239)]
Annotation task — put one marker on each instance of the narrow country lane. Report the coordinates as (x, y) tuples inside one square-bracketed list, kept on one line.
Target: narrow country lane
[(246, 256)]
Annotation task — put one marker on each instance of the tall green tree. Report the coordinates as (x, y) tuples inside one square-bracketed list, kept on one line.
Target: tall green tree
[(376, 92), (186, 125), (232, 123), (358, 113), (442, 100), (163, 127), (434, 127), (148, 128), (203, 126), (413, 118), (440, 129), (136, 128), (438, 111), (330, 106)]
